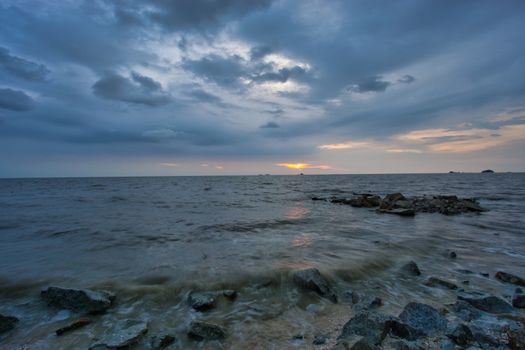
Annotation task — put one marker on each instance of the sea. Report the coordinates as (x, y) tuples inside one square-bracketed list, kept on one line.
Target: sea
[(153, 240)]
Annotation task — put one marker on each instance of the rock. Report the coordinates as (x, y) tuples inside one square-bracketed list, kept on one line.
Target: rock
[(461, 335), (518, 300), (373, 327), (78, 300), (76, 324), (367, 302), (351, 296), (465, 311), (312, 279), (355, 343), (436, 282), (487, 303), (401, 330), (452, 255), (400, 212), (509, 278), (390, 199), (423, 318), (365, 201), (7, 323), (320, 339), (230, 294), (202, 301), (411, 268), (400, 344), (200, 330), (162, 342), (124, 336)]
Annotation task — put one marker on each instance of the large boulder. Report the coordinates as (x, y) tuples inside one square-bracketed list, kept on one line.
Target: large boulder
[(78, 300), (509, 278), (372, 326), (461, 335), (123, 336), (200, 330), (365, 201), (465, 311), (7, 323), (389, 202), (487, 303), (311, 279), (423, 318)]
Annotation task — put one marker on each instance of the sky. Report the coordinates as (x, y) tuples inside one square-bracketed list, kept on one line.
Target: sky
[(222, 87)]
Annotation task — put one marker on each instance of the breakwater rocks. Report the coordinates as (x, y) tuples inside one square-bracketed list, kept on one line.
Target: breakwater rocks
[(398, 204), (475, 320)]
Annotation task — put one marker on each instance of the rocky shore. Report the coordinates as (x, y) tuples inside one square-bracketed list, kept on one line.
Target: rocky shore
[(398, 204), (476, 320)]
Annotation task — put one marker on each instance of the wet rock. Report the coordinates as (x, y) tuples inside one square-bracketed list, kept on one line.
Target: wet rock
[(423, 318), (162, 342), (7, 323), (401, 330), (123, 336), (411, 269), (510, 278), (318, 199), (465, 311), (390, 199), (437, 343), (400, 212), (518, 299), (202, 301), (461, 335), (400, 344), (355, 343), (484, 274), (437, 282), (365, 201), (487, 303), (320, 339), (367, 302), (78, 300), (452, 255), (230, 294), (200, 330), (516, 339), (312, 279), (76, 324), (351, 296), (373, 327)]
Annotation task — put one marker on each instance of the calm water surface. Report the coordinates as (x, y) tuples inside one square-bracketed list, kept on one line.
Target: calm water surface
[(152, 240)]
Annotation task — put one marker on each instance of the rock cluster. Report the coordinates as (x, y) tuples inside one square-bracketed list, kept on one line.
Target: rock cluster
[(78, 300), (397, 203)]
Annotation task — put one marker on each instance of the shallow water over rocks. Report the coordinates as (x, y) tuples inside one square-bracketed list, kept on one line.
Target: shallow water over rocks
[(152, 241)]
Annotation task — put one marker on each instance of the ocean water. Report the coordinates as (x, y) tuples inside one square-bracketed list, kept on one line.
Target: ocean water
[(152, 240)]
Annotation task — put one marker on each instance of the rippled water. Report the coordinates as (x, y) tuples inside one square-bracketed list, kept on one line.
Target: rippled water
[(152, 240)]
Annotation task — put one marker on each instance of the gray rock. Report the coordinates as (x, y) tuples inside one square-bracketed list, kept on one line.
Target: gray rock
[(423, 318), (312, 279), (510, 278), (71, 326), (78, 300), (411, 268), (390, 199), (371, 326), (200, 330), (162, 342), (230, 294), (399, 344), (437, 282), (123, 336), (355, 343), (465, 311), (202, 301), (320, 339), (365, 201), (487, 303), (401, 330), (400, 212), (518, 300), (7, 323), (367, 302), (351, 296), (461, 335)]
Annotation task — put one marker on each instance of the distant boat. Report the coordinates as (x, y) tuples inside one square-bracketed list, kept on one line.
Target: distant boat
[(488, 171)]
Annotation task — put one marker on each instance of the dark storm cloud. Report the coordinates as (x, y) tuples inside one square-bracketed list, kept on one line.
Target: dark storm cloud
[(225, 71), (270, 125), (137, 89), (15, 100), (21, 67), (184, 14), (370, 84)]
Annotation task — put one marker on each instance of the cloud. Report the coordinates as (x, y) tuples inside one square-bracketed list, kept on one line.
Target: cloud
[(406, 79), (270, 125), (224, 71), (281, 76), (137, 89), (346, 145), (15, 100), (171, 165), (21, 67), (203, 96), (370, 84), (259, 52), (300, 166)]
